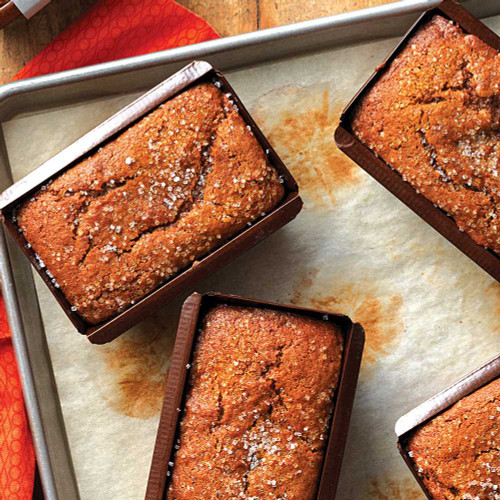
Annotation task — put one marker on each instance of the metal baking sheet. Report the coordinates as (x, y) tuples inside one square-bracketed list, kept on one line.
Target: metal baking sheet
[(354, 249)]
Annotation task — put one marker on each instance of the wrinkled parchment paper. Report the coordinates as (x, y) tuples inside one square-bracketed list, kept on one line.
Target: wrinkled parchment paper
[(430, 314)]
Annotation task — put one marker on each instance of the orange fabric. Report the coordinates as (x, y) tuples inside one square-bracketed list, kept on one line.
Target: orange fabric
[(111, 30), (17, 458), (114, 29)]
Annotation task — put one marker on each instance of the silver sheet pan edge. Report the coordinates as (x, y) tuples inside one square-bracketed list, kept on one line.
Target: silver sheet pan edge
[(225, 53), (25, 372), (228, 52), (24, 315)]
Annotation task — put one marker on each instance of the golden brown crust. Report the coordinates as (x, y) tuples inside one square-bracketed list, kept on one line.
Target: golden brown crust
[(169, 189), (258, 408), (434, 117), (457, 453)]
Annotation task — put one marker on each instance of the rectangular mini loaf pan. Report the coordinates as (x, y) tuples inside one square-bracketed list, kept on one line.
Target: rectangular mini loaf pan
[(408, 424), (289, 207), (192, 314), (37, 486), (390, 179), (8, 12)]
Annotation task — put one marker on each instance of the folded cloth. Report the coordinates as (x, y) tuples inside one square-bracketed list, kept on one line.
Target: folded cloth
[(114, 29), (17, 458), (111, 30)]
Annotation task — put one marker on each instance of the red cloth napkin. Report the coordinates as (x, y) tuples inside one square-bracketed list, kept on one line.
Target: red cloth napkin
[(114, 29), (111, 30), (17, 458)]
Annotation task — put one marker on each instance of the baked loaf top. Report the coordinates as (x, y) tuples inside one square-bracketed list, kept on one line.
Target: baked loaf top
[(258, 407), (457, 453), (434, 117), (165, 192)]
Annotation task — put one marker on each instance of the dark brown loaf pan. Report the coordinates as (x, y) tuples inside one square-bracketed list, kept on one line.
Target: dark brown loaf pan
[(8, 12), (37, 486), (192, 313), (289, 207), (408, 424), (393, 181)]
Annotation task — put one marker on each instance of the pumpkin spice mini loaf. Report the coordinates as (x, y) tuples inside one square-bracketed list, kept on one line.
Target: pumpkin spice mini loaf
[(434, 117), (457, 453), (165, 192), (258, 406)]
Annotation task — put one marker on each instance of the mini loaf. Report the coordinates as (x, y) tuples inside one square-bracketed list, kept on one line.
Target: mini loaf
[(434, 117), (457, 453), (258, 406), (165, 192)]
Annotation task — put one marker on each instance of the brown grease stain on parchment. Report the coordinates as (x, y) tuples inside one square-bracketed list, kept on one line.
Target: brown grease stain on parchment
[(300, 123), (137, 364), (391, 490), (378, 313)]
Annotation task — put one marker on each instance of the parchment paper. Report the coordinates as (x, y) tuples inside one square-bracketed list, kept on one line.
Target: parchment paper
[(430, 314)]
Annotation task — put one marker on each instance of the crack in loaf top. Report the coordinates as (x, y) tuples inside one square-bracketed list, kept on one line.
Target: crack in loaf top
[(258, 408), (166, 191), (457, 453), (434, 117)]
